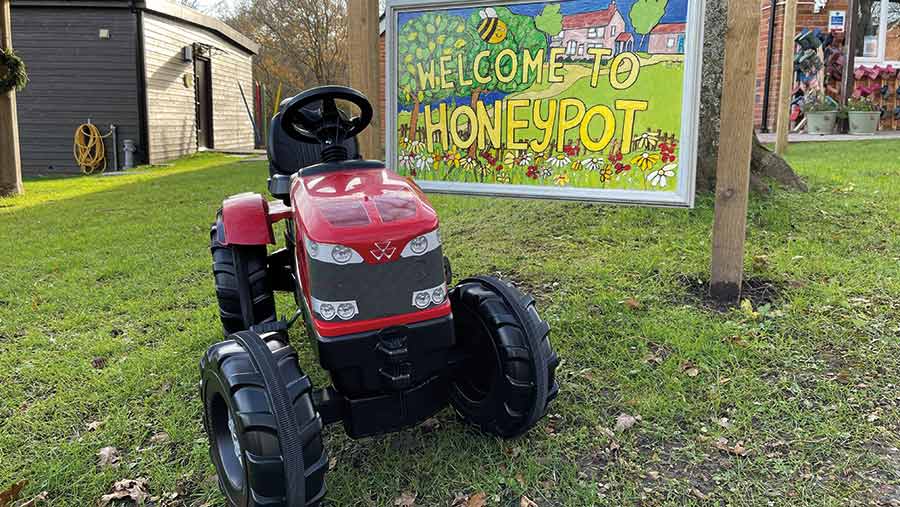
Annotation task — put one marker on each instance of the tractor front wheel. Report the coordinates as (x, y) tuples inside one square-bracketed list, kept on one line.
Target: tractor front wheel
[(243, 290), (260, 460), (508, 380)]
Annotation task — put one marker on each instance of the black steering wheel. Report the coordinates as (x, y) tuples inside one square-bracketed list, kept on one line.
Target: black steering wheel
[(325, 124)]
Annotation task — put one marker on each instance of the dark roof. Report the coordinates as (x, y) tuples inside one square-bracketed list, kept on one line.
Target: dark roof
[(590, 19), (162, 7), (669, 28)]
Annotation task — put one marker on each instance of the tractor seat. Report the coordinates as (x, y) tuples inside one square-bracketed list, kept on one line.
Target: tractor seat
[(288, 156)]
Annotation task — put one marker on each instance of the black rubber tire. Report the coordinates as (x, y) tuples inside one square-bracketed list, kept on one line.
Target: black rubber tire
[(507, 383), (243, 290), (232, 386)]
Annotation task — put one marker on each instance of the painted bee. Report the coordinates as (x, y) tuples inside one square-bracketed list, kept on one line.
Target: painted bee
[(491, 29)]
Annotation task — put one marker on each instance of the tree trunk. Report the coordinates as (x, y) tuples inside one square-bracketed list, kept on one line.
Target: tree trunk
[(414, 119), (473, 148), (764, 164), (10, 160)]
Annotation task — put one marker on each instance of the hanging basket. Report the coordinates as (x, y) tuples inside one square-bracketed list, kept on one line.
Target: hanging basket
[(12, 71)]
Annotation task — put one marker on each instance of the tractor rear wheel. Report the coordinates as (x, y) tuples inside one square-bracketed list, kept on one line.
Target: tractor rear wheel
[(243, 290), (509, 378), (258, 461)]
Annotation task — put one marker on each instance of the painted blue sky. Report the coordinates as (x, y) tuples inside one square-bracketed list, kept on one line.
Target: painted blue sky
[(676, 11)]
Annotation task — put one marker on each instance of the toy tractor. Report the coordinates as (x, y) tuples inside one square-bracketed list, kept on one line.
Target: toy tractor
[(362, 257)]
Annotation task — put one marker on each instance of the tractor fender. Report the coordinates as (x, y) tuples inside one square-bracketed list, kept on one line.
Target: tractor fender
[(245, 218)]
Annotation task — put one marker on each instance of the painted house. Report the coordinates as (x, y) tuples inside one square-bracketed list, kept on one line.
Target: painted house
[(667, 38), (591, 30), (165, 75)]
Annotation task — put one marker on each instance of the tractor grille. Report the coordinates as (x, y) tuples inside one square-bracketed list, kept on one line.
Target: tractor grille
[(380, 290)]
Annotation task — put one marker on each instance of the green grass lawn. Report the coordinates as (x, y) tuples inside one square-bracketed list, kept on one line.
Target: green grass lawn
[(790, 403)]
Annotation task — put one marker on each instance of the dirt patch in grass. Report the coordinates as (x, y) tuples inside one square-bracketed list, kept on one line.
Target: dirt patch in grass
[(760, 291)]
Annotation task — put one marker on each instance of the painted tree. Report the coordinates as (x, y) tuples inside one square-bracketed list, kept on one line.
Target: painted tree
[(645, 15), (422, 42), (549, 21), (521, 34)]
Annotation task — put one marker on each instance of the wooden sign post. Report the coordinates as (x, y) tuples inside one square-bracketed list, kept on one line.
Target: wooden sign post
[(735, 144), (10, 161), (364, 69), (783, 126)]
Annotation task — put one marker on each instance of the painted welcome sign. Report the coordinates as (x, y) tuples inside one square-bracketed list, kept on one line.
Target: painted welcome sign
[(577, 99)]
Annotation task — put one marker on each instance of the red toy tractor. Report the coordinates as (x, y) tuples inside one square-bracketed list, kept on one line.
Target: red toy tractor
[(363, 259)]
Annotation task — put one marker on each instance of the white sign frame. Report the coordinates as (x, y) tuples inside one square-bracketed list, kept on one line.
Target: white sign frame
[(682, 197)]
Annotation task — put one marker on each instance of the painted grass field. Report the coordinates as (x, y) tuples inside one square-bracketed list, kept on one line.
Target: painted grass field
[(106, 305)]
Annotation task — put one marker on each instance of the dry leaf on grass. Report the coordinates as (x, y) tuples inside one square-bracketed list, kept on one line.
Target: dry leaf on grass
[(459, 500), (737, 449), (625, 421), (109, 457), (477, 500), (430, 424), (689, 369), (39, 498), (632, 304), (127, 489), (527, 502), (99, 363), (11, 494), (406, 499), (160, 438), (94, 425)]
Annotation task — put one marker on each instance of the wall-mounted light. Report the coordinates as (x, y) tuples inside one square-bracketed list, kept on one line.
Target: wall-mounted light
[(187, 54), (104, 33)]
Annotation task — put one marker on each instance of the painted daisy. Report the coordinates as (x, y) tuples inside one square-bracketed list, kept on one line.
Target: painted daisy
[(503, 177), (546, 172), (562, 179), (407, 159), (659, 178), (606, 174), (645, 160), (559, 160), (592, 164), (647, 140), (468, 164)]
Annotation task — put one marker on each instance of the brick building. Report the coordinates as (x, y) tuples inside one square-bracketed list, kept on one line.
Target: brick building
[(877, 43)]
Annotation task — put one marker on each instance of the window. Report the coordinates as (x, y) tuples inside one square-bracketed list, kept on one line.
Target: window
[(878, 33), (571, 47), (596, 32), (612, 31), (580, 49), (670, 42), (592, 33)]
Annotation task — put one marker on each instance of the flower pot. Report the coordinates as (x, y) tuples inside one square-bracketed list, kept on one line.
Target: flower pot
[(820, 122), (864, 122)]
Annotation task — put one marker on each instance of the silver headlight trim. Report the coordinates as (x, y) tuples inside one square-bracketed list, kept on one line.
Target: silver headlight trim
[(324, 252), (433, 241), (335, 305), (429, 294)]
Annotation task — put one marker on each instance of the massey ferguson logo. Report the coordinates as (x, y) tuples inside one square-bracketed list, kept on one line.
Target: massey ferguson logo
[(383, 251)]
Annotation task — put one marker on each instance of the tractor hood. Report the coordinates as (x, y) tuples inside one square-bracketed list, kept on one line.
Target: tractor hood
[(372, 210)]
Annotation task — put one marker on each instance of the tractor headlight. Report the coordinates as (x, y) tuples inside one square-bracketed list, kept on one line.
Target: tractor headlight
[(437, 295), (341, 254), (421, 245), (332, 254), (345, 310), (327, 311), (422, 299)]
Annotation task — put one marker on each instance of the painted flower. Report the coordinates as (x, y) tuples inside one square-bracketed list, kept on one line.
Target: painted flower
[(645, 160), (436, 160), (562, 179), (606, 174), (421, 162), (647, 140), (576, 166), (452, 157), (546, 172), (491, 159), (407, 159), (519, 158), (416, 146), (667, 152), (615, 157), (503, 177), (621, 168), (468, 164), (571, 149), (659, 177), (532, 172), (559, 160), (593, 164)]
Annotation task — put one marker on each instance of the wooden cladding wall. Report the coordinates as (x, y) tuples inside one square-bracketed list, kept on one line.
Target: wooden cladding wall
[(171, 114)]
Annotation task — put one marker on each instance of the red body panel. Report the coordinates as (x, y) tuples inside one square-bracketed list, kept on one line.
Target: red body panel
[(317, 199), (246, 220)]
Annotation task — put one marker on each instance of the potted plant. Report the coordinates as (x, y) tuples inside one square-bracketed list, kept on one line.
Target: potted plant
[(863, 116), (821, 113)]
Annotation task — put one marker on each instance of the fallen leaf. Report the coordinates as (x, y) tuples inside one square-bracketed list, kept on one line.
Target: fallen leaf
[(724, 422), (94, 426), (406, 499), (127, 489), (11, 494), (40, 497), (477, 500), (109, 457), (527, 502), (98, 363), (689, 369), (760, 261), (624, 422), (459, 500), (430, 424), (160, 438), (332, 463), (737, 449), (633, 304), (520, 479)]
